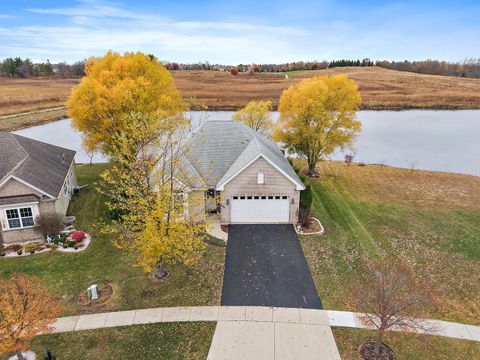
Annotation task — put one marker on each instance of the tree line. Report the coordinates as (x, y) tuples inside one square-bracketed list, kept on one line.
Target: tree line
[(22, 68), (468, 68)]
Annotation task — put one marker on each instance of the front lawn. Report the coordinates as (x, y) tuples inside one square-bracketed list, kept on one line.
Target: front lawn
[(430, 219), (70, 274), (153, 341), (407, 346)]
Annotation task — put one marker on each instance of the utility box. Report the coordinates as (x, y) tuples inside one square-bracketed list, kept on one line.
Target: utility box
[(93, 292)]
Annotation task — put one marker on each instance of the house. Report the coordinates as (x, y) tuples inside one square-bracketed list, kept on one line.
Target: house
[(35, 178), (241, 175)]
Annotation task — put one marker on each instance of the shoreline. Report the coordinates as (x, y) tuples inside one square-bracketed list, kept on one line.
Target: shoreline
[(19, 121)]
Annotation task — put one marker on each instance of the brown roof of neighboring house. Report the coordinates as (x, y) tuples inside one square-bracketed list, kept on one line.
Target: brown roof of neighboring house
[(42, 165)]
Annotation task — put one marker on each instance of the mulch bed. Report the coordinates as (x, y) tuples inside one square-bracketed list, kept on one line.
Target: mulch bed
[(160, 275), (313, 227), (105, 292), (367, 351)]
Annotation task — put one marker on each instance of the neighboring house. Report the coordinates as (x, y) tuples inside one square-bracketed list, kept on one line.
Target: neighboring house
[(35, 178), (242, 175)]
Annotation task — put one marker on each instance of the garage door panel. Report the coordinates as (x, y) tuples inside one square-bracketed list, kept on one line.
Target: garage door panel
[(251, 211)]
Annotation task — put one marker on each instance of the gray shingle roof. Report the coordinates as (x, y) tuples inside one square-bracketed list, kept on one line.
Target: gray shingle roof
[(219, 149), (42, 165)]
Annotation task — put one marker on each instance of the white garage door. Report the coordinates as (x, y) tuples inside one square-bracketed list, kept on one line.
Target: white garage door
[(259, 209)]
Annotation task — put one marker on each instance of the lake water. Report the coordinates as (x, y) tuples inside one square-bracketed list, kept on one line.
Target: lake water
[(433, 140)]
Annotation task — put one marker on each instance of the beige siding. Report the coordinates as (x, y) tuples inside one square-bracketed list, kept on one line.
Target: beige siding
[(61, 204), (14, 188), (21, 235), (245, 183)]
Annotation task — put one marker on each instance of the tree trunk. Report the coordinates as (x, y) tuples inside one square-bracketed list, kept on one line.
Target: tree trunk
[(379, 341), (311, 168), (19, 355)]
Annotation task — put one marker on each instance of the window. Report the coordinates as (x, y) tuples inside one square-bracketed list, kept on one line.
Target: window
[(19, 218), (260, 178)]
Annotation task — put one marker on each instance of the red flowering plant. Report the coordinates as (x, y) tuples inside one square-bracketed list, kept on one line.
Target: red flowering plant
[(78, 235)]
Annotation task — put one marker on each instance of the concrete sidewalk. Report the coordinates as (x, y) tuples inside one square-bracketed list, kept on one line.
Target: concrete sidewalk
[(244, 313), (235, 340), (274, 333)]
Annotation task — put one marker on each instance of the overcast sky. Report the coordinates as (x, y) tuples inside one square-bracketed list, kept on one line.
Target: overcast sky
[(246, 32)]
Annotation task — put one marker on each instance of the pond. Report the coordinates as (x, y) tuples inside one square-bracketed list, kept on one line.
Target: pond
[(431, 140)]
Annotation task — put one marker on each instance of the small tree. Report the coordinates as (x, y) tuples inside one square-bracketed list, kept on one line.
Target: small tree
[(348, 159), (50, 223), (233, 71), (412, 164), (389, 295), (26, 309), (257, 116)]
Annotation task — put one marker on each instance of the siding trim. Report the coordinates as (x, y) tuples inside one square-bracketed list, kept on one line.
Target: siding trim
[(221, 187), (26, 184)]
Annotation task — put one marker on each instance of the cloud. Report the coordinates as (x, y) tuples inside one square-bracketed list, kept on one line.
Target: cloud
[(91, 27)]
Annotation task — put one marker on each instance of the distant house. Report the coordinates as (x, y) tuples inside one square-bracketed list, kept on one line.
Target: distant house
[(242, 175), (35, 178)]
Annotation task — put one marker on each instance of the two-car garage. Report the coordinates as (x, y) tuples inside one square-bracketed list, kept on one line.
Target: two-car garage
[(251, 209)]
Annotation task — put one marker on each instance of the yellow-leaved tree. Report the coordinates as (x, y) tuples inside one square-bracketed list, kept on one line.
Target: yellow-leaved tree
[(169, 236), (317, 116), (26, 309), (158, 220), (257, 116), (116, 85)]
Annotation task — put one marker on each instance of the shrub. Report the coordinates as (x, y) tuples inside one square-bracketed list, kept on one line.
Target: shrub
[(305, 217), (233, 71), (13, 248), (306, 198), (71, 243), (50, 223), (78, 235), (31, 247)]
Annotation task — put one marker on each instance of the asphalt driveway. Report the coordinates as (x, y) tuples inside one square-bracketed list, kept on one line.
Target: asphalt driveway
[(265, 266)]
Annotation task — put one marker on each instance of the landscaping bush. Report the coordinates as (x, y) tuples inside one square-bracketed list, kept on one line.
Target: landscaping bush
[(78, 235), (50, 223), (71, 243), (13, 248), (31, 247), (306, 198), (305, 217)]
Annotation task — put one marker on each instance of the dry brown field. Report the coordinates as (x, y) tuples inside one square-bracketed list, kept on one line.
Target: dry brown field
[(23, 95), (380, 89)]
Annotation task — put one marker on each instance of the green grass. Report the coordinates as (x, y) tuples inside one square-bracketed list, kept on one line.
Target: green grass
[(153, 341), (372, 211), (407, 346), (67, 275)]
